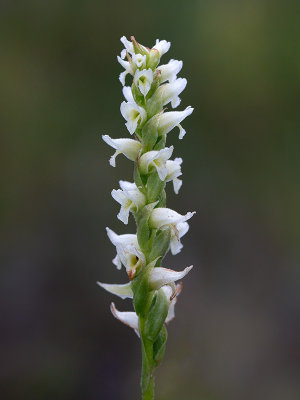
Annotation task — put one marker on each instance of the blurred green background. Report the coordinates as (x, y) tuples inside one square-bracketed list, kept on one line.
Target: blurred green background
[(234, 336)]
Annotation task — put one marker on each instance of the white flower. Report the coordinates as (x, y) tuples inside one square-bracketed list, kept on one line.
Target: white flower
[(161, 218), (173, 171), (128, 47), (143, 79), (130, 198), (162, 46), (128, 252), (164, 218), (156, 159), (128, 69), (159, 277), (124, 290), (129, 147), (139, 60), (168, 120), (169, 92), (168, 72), (133, 114), (128, 318), (176, 234)]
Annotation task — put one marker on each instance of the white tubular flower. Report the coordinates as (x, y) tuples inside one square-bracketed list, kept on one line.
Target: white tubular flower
[(168, 72), (128, 70), (130, 198), (129, 147), (133, 114), (159, 277), (156, 159), (139, 60), (128, 252), (128, 318), (173, 171), (124, 291), (120, 241), (169, 92), (168, 120), (162, 46), (162, 218), (143, 79), (128, 47)]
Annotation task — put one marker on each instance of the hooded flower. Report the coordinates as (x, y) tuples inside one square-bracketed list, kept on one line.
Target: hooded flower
[(143, 80), (162, 46), (159, 277), (129, 147), (173, 171), (164, 218), (156, 159), (133, 114), (168, 120), (168, 72), (130, 198), (169, 92), (128, 252)]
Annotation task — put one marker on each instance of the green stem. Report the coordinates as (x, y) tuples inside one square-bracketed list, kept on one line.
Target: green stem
[(149, 393), (147, 379)]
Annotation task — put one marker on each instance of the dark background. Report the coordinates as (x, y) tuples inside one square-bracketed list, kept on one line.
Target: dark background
[(234, 336)]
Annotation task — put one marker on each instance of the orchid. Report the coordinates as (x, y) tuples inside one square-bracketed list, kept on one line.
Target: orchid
[(130, 198), (153, 288)]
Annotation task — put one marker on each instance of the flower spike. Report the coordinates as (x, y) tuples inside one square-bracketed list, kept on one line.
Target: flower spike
[(159, 229)]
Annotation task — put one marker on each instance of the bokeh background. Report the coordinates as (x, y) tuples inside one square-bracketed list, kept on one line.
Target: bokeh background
[(235, 333)]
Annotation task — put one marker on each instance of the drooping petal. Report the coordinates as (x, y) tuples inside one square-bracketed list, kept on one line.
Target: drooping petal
[(176, 234), (174, 171), (128, 94), (128, 318), (159, 277), (123, 291)]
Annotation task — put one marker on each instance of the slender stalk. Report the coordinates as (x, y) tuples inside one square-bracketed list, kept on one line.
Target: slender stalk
[(149, 393)]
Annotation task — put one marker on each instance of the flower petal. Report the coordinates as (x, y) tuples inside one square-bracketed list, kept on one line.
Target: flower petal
[(123, 291), (128, 318), (159, 277)]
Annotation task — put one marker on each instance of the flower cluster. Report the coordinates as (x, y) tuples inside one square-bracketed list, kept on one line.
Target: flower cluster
[(159, 229)]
